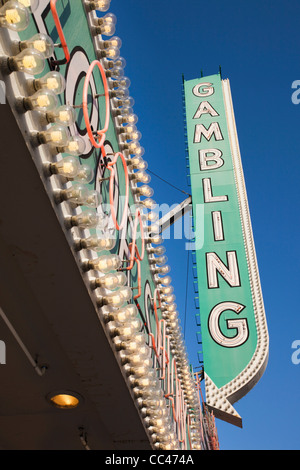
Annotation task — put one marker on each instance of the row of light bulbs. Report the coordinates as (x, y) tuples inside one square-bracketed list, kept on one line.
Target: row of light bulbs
[(129, 138), (112, 294)]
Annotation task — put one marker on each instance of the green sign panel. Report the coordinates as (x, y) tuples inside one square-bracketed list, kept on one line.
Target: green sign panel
[(234, 330)]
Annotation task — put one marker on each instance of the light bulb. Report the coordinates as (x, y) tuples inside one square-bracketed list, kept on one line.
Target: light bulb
[(166, 290), (57, 135), (98, 243), (80, 194), (65, 115), (109, 18), (42, 101), (135, 148), (162, 269), (166, 280), (113, 42), (128, 119), (75, 145), (120, 93), (144, 191), (170, 307), (107, 29), (53, 81), (111, 52), (67, 167), (76, 193), (93, 198), (29, 61), (141, 177), (112, 281), (169, 298), (152, 216), (13, 15), (148, 203), (125, 103), (101, 5), (130, 133), (123, 82), (133, 343), (41, 42), (115, 72), (138, 370), (118, 298), (105, 263), (85, 174), (159, 260), (156, 239), (87, 219), (157, 250)]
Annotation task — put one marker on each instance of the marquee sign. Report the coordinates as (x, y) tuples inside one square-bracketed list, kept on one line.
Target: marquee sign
[(234, 330), (61, 66)]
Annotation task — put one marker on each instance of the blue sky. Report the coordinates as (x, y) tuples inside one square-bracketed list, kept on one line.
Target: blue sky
[(257, 46)]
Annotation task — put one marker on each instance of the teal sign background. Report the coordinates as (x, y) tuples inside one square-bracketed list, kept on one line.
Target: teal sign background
[(222, 364)]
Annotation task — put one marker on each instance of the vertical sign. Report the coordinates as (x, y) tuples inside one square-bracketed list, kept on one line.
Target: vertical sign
[(234, 329)]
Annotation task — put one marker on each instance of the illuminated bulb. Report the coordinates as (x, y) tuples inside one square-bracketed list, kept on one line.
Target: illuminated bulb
[(141, 177), (123, 82), (170, 307), (105, 263), (144, 191), (40, 42), (111, 52), (74, 146), (166, 281), (109, 18), (57, 135), (166, 290), (42, 100), (68, 167), (101, 5), (13, 15), (169, 298), (118, 299), (86, 219), (98, 244), (139, 370), (135, 148), (130, 132), (137, 162), (133, 343), (53, 81), (113, 42), (123, 314), (112, 281), (29, 61), (128, 119), (148, 203), (65, 115), (107, 29)]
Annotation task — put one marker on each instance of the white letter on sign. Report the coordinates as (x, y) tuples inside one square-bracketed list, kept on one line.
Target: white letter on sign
[(239, 324), (230, 274)]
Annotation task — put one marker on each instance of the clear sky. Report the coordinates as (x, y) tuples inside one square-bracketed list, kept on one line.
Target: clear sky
[(257, 45)]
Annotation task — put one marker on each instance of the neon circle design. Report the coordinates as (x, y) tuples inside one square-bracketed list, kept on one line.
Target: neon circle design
[(101, 133), (110, 166)]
